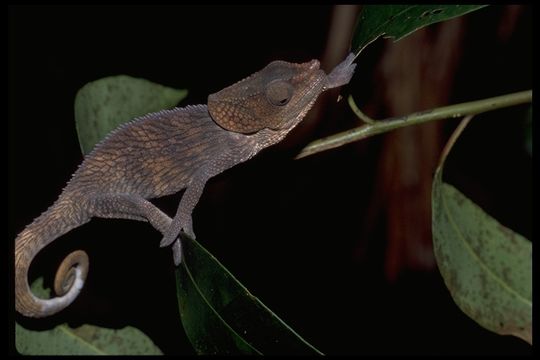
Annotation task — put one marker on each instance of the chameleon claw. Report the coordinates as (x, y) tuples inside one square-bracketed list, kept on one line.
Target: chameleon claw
[(188, 231), (168, 239), (173, 234), (177, 252)]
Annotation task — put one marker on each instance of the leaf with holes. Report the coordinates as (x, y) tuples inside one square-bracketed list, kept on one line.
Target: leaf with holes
[(398, 21), (102, 105), (486, 266)]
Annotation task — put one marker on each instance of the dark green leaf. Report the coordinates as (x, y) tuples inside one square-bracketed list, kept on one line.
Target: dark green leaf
[(83, 340), (221, 316), (102, 105), (398, 21), (486, 266)]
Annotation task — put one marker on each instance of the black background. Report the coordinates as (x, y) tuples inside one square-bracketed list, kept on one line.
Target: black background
[(287, 229)]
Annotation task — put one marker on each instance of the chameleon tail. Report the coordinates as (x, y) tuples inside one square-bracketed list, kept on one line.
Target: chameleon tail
[(60, 218)]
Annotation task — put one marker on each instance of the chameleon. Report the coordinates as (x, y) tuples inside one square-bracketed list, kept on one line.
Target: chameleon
[(162, 153)]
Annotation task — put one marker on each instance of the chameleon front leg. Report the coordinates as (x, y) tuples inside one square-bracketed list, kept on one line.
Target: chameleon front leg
[(182, 221), (133, 207)]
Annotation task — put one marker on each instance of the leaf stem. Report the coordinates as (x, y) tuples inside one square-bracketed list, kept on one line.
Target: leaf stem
[(453, 138), (359, 112), (374, 127)]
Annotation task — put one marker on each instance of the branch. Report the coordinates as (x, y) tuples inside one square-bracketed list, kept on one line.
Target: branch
[(374, 127)]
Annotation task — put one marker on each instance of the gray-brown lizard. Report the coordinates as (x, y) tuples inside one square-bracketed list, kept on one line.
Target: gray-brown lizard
[(162, 153)]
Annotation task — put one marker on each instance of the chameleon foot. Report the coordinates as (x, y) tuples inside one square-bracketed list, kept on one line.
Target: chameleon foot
[(174, 230), (177, 252)]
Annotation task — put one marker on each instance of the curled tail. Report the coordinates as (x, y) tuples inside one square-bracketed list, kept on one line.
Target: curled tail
[(60, 218)]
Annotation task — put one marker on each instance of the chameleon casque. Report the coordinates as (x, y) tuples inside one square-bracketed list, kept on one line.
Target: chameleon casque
[(162, 153)]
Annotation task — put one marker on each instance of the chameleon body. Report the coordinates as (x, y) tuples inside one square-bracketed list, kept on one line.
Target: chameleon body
[(162, 153)]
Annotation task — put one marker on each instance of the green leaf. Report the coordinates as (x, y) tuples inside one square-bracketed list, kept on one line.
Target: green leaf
[(102, 105), (83, 340), (486, 266), (220, 316), (398, 21)]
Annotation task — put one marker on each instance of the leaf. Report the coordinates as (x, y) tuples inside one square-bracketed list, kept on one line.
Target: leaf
[(83, 340), (398, 21), (102, 105), (220, 316), (486, 266)]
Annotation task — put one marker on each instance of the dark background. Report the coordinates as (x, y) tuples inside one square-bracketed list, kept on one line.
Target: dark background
[(287, 229)]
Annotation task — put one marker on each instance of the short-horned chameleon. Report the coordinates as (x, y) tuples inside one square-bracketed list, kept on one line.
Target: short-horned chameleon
[(162, 153)]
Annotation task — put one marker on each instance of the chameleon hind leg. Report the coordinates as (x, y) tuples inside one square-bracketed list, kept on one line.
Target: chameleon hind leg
[(133, 207)]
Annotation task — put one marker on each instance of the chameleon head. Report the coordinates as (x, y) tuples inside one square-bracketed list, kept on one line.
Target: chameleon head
[(277, 97)]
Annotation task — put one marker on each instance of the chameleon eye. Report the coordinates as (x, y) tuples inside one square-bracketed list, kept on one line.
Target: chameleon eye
[(279, 92)]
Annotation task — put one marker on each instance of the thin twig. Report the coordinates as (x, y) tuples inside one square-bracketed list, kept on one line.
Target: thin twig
[(380, 126)]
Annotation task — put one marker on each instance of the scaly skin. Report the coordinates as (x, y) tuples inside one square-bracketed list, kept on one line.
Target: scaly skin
[(162, 153)]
